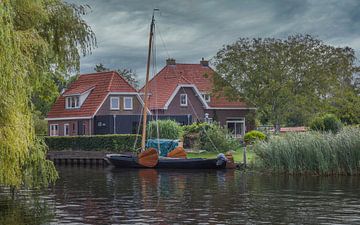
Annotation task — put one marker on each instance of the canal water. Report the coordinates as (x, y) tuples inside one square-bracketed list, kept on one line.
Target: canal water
[(112, 196)]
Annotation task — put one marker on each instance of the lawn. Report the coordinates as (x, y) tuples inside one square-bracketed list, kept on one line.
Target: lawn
[(238, 155)]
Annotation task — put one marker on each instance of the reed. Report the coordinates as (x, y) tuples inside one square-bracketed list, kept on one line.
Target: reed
[(311, 153)]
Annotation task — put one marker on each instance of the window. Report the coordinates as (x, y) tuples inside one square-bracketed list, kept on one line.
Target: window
[(54, 130), (183, 100), (66, 129), (236, 126), (114, 103), (128, 103), (206, 97), (72, 102)]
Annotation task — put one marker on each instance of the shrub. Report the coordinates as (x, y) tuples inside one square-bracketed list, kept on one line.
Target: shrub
[(327, 122), (216, 138), (113, 142), (311, 152), (254, 135), (168, 129)]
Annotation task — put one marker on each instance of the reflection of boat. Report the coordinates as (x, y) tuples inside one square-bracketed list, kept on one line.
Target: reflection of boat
[(129, 161), (149, 158)]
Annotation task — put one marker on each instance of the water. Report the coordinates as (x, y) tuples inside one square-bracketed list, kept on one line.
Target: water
[(106, 196)]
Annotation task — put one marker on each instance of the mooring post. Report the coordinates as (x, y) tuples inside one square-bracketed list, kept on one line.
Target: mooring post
[(244, 156)]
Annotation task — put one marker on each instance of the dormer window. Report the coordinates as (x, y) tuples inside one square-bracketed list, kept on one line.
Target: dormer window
[(114, 103), (206, 97), (72, 102), (183, 100)]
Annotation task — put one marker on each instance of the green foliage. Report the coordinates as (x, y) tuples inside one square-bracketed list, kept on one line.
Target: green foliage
[(253, 136), (113, 142), (40, 125), (311, 153), (209, 137), (37, 39), (168, 129), (287, 80), (217, 138), (327, 122)]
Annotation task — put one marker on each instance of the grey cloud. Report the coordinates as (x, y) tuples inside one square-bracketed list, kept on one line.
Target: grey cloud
[(195, 29)]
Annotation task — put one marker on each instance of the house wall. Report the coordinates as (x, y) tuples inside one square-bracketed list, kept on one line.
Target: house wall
[(194, 108), (73, 126), (105, 108), (221, 115)]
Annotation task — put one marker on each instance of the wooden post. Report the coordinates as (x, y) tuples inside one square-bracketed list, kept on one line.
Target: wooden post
[(244, 156)]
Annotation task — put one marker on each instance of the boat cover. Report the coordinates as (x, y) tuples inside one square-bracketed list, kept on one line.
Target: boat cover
[(166, 145)]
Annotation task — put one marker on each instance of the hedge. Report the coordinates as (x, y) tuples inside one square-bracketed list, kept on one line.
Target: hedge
[(113, 143)]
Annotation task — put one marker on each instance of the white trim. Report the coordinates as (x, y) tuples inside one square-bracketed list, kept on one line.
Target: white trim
[(118, 103), (109, 93), (50, 130), (132, 104), (68, 118), (177, 90), (243, 122), (186, 100), (203, 94), (88, 90), (72, 98), (68, 129)]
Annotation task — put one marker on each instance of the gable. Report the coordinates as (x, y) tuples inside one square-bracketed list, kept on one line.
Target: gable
[(100, 85)]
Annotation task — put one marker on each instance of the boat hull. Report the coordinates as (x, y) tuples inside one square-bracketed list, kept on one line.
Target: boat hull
[(126, 161)]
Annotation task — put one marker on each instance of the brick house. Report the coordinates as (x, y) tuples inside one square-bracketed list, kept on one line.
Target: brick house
[(184, 90), (97, 103), (105, 103)]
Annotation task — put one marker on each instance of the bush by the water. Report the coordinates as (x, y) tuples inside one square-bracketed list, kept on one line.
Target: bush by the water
[(327, 122), (209, 137), (311, 152), (113, 142), (168, 129), (254, 135)]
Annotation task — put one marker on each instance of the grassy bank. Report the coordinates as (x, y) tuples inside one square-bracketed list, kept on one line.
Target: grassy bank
[(311, 153), (238, 155)]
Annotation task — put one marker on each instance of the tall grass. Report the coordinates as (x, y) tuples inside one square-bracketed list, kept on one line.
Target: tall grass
[(311, 153)]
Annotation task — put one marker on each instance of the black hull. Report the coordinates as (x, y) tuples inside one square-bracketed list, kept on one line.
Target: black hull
[(126, 161)]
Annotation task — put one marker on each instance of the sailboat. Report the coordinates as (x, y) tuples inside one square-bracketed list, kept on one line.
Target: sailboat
[(149, 158)]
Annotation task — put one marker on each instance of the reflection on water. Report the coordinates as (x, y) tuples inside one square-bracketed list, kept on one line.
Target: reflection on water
[(112, 196)]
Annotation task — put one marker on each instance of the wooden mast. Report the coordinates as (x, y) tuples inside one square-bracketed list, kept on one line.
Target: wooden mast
[(143, 139)]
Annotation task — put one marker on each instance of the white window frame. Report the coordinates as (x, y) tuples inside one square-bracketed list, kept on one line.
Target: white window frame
[(68, 129), (206, 97), (237, 120), (69, 101), (131, 102), (111, 106), (186, 100), (52, 133)]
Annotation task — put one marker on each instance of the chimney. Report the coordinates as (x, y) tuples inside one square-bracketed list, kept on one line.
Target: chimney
[(170, 61), (204, 62)]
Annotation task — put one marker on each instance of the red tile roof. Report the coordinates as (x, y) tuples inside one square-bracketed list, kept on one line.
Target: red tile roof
[(101, 84), (162, 85)]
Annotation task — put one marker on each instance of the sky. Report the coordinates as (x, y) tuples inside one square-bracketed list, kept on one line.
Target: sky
[(188, 30)]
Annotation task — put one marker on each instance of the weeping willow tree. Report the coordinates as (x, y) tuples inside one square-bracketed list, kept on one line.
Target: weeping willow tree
[(37, 39)]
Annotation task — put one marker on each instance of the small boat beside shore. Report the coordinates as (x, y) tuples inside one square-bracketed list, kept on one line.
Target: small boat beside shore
[(131, 161)]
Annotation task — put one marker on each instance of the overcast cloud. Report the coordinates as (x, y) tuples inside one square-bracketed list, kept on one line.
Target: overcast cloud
[(195, 29)]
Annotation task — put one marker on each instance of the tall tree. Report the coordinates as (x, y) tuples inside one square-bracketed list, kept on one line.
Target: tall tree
[(128, 74), (37, 39), (280, 76)]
